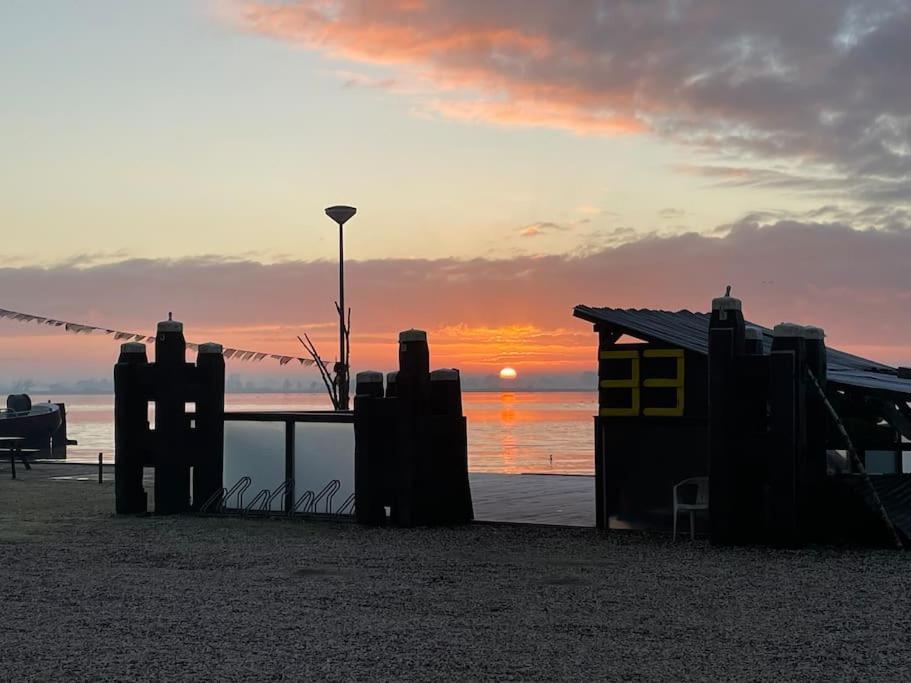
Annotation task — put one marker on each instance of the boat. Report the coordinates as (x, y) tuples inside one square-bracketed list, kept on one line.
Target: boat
[(35, 423)]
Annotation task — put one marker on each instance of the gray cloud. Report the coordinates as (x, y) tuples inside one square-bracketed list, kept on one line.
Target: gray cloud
[(853, 282), (823, 86)]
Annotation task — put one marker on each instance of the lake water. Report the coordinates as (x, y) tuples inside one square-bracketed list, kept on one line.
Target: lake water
[(545, 432)]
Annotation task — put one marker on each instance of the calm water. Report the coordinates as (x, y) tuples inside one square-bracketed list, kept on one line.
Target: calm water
[(507, 432)]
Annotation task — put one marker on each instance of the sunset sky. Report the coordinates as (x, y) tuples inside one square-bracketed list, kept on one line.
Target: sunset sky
[(508, 159)]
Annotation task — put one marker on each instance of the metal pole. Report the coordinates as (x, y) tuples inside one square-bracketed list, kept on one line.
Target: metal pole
[(343, 374), (100, 468)]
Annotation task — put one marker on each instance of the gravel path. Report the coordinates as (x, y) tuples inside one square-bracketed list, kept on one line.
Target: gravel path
[(88, 596)]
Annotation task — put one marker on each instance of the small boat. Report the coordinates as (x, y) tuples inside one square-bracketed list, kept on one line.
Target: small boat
[(33, 422)]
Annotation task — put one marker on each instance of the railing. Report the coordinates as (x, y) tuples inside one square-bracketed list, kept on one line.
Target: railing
[(308, 450)]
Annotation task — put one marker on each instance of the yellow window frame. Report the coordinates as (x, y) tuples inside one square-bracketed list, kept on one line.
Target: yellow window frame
[(667, 383), (631, 383)]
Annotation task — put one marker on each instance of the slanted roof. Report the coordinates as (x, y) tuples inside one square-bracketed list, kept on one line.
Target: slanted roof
[(690, 331)]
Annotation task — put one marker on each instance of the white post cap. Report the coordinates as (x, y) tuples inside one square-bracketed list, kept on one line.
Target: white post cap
[(170, 326), (412, 336), (133, 347), (788, 330), (814, 333), (444, 375), (211, 347), (369, 377), (726, 303)]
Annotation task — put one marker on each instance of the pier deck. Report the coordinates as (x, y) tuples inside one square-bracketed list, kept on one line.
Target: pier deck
[(567, 500), (563, 500)]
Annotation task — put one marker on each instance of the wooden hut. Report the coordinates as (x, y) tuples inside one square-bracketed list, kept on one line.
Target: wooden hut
[(652, 427)]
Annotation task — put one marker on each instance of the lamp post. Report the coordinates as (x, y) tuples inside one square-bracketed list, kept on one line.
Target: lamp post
[(341, 214)]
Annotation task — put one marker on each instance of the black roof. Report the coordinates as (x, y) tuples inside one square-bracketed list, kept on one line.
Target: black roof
[(689, 330)]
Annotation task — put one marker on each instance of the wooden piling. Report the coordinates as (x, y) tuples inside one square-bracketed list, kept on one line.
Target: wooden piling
[(208, 472), (787, 447), (726, 344), (172, 473), (369, 383), (131, 428)]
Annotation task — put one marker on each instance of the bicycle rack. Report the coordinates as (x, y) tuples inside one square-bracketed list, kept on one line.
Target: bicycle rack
[(346, 508), (242, 485), (327, 492), (217, 496), (260, 498), (304, 501), (282, 489)]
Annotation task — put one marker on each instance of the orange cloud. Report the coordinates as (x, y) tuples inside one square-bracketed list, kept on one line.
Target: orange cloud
[(769, 81), (480, 314), (473, 58)]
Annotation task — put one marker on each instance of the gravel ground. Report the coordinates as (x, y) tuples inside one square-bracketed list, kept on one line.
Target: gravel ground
[(85, 595)]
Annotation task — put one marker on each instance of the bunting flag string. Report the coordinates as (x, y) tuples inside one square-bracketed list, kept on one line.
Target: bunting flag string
[(120, 335)]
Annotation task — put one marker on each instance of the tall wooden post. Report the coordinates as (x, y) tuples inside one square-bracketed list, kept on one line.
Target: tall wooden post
[(726, 344), (451, 500), (208, 474), (172, 474), (787, 391), (812, 470), (413, 387), (372, 431), (131, 429)]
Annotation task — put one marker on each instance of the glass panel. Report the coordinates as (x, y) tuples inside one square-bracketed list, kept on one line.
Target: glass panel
[(880, 462), (323, 452), (255, 450)]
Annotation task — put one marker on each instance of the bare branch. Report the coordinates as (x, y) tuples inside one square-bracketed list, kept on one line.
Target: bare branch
[(330, 384)]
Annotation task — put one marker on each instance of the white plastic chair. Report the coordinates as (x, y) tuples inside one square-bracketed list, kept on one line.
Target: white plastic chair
[(701, 503)]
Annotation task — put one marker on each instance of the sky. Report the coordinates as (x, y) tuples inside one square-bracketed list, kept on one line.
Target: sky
[(508, 160)]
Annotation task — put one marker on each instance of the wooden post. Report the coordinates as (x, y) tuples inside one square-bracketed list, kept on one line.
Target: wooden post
[(753, 341), (131, 428), (413, 392), (449, 487), (208, 472), (172, 474), (369, 383), (726, 344), (787, 402), (374, 425), (811, 470), (100, 468), (392, 379)]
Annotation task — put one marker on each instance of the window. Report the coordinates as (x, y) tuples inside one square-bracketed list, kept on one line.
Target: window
[(636, 382)]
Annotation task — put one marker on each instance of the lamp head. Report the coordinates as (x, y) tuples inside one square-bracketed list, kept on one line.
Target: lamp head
[(340, 214)]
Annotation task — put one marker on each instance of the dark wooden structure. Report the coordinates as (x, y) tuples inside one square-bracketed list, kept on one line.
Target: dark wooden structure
[(693, 394), (411, 452), (185, 448)]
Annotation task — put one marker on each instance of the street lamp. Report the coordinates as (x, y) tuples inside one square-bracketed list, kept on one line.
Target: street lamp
[(341, 214)]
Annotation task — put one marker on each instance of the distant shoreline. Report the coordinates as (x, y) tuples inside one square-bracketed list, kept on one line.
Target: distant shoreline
[(517, 390)]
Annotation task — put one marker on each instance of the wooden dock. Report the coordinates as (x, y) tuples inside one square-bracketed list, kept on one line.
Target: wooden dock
[(567, 500)]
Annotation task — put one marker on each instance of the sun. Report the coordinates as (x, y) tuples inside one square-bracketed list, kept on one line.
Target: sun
[(508, 373)]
